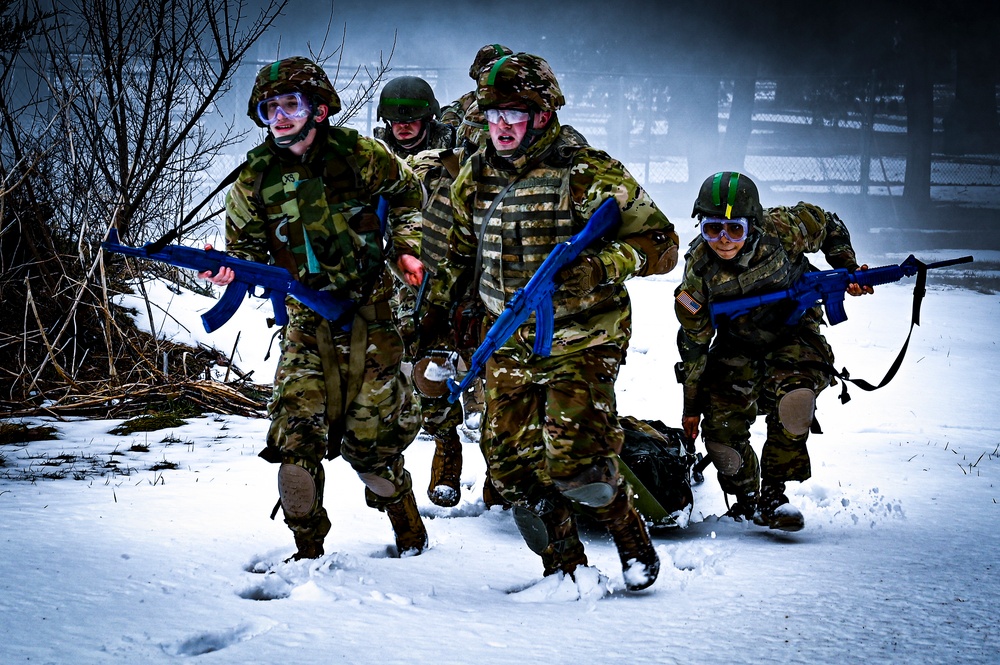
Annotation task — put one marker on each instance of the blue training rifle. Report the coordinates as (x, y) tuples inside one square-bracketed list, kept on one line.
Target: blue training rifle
[(276, 281), (826, 287), (536, 296)]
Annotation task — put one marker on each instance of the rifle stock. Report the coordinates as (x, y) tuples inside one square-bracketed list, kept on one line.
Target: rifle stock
[(276, 281), (536, 296)]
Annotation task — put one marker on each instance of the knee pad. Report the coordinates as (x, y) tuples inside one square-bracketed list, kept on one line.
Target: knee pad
[(725, 458), (532, 528), (594, 487), (592, 495), (297, 490), (382, 487), (796, 409)]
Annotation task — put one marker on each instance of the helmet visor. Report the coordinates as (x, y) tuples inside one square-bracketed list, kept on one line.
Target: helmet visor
[(735, 230), (291, 106)]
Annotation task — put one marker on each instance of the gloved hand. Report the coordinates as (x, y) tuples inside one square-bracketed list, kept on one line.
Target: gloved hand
[(582, 276)]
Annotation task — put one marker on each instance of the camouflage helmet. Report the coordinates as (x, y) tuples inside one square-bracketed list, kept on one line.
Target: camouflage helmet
[(407, 98), (295, 74), (485, 57), (728, 195), (520, 78)]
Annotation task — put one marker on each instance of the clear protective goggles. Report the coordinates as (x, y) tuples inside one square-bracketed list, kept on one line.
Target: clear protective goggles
[(510, 116), (292, 106), (735, 230)]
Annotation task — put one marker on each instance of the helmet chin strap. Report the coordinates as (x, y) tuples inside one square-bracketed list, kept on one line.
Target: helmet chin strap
[(424, 127), (289, 141), (530, 136)]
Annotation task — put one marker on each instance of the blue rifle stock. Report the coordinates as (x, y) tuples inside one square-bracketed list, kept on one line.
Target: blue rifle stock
[(536, 296), (826, 287), (275, 280)]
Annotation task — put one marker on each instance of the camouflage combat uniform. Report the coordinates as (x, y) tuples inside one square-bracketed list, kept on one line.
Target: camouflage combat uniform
[(336, 391), (440, 417), (751, 363), (552, 425)]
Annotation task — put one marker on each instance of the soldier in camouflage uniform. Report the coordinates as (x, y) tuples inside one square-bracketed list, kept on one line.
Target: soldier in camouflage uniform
[(440, 418), (438, 169), (552, 433), (756, 362), (306, 201), (410, 111), (409, 107)]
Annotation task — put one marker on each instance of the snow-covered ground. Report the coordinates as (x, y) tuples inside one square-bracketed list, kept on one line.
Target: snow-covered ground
[(897, 563)]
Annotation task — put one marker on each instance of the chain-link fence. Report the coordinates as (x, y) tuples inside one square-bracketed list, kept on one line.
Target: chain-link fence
[(809, 135)]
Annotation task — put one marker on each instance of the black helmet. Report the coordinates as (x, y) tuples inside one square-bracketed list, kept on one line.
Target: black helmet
[(406, 99), (728, 195)]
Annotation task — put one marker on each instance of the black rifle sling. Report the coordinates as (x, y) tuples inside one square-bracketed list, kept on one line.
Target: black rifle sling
[(175, 232), (919, 290)]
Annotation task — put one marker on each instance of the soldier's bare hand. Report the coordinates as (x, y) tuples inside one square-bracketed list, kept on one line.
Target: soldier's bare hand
[(690, 426), (412, 269), (223, 277), (856, 289)]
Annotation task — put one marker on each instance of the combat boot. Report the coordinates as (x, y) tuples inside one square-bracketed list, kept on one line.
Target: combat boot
[(563, 556), (308, 548), (411, 536), (640, 563), (743, 508), (445, 488), (774, 511)]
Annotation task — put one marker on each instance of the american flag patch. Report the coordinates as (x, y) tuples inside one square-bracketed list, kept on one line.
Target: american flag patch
[(688, 303)]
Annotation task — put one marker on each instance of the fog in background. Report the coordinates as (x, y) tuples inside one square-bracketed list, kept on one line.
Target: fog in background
[(663, 87)]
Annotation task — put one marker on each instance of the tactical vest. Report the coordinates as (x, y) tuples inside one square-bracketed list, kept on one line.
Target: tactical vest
[(437, 214), (534, 216), (769, 269), (321, 225)]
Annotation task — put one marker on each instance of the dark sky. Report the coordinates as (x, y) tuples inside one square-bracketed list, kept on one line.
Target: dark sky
[(582, 35), (627, 36)]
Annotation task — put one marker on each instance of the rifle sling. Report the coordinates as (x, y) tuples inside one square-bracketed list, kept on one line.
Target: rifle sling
[(919, 290), (175, 232), (337, 398)]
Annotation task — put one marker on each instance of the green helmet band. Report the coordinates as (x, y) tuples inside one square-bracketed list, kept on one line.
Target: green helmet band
[(734, 180)]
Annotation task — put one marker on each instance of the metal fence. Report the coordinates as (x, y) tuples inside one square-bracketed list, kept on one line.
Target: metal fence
[(828, 136)]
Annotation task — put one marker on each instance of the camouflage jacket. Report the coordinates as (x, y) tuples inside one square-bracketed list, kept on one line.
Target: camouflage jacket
[(455, 112), (548, 203), (429, 240), (316, 217), (772, 259), (439, 136)]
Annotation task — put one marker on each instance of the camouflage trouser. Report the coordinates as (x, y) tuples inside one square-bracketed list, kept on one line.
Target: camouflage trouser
[(370, 430), (739, 382), (551, 426), (402, 301)]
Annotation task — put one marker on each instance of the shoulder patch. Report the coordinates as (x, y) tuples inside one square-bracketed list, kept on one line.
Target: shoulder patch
[(688, 303)]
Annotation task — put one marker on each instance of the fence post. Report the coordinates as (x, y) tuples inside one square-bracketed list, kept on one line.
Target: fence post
[(867, 127)]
